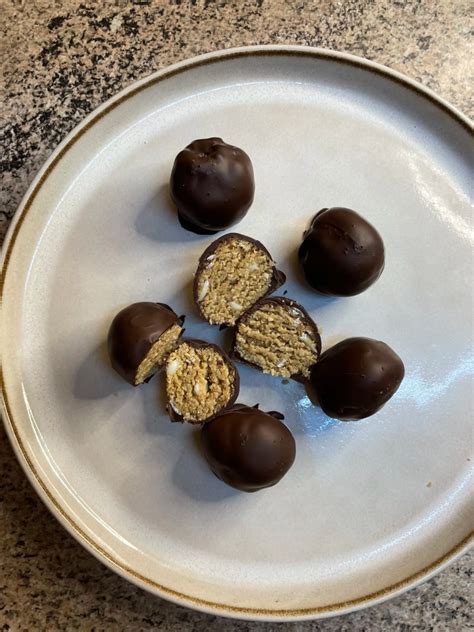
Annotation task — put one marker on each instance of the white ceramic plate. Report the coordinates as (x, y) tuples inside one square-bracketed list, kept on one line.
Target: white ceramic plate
[(369, 508)]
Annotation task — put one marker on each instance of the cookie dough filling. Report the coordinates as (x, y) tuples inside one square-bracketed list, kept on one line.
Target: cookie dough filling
[(278, 336), (201, 381), (155, 358), (233, 274)]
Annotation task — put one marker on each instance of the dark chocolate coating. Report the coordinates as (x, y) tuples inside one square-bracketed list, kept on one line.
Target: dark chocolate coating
[(200, 344), (133, 332), (356, 377), (341, 254), (247, 448), (212, 185), (289, 303), (277, 280)]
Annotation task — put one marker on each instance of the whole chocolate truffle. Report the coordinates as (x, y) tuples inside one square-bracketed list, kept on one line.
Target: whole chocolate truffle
[(247, 448), (341, 254), (212, 185), (139, 339), (356, 377)]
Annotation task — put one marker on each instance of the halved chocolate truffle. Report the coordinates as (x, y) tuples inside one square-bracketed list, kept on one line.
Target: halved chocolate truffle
[(247, 448), (212, 185), (278, 336), (356, 377), (201, 381), (233, 273), (341, 254), (140, 337)]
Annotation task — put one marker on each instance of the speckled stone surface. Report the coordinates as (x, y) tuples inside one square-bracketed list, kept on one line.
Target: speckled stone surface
[(60, 59)]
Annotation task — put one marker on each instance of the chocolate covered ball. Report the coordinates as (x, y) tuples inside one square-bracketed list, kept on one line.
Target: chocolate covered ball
[(247, 448), (139, 339), (341, 254), (212, 185), (356, 377)]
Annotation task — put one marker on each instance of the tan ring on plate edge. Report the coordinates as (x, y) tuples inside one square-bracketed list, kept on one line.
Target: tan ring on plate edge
[(80, 533)]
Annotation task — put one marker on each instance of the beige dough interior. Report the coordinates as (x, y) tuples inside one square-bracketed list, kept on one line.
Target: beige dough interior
[(199, 382), (234, 277), (278, 339), (156, 357)]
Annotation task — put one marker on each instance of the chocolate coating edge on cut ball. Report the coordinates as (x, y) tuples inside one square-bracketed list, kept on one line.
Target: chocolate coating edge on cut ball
[(134, 331), (342, 254), (177, 416), (212, 184), (276, 280), (247, 448), (308, 323), (356, 377)]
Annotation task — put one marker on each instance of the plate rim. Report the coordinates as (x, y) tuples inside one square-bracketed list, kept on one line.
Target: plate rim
[(40, 486)]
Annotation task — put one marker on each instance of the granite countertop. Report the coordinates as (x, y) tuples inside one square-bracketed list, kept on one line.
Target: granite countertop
[(61, 59)]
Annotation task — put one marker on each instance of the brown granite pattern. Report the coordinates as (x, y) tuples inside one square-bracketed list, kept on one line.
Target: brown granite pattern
[(60, 59)]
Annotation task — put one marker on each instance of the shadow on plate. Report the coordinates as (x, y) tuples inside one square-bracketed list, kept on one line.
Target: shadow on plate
[(192, 475), (95, 378), (154, 401), (158, 220), (307, 418)]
